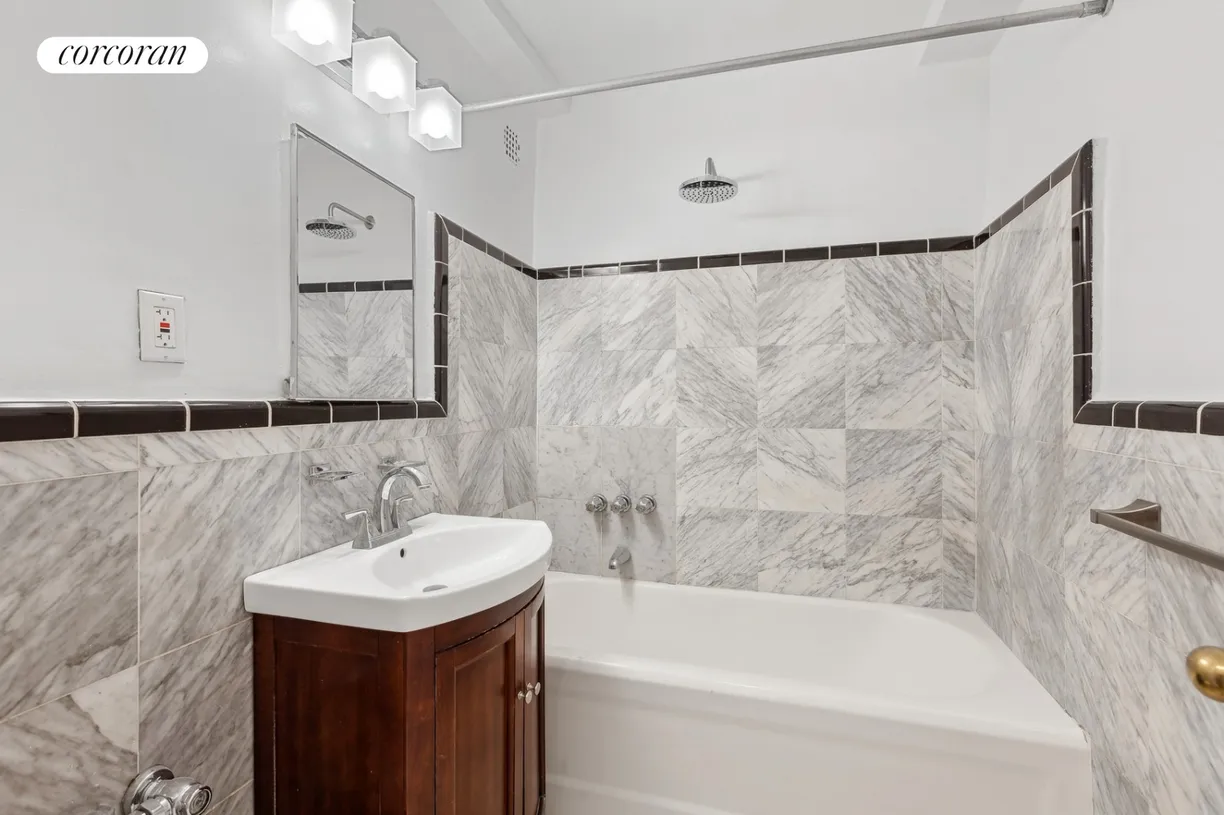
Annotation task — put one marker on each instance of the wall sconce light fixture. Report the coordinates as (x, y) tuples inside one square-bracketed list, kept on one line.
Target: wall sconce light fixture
[(437, 122), (384, 75), (318, 31)]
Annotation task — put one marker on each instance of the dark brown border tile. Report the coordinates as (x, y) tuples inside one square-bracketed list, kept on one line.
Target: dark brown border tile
[(718, 261), (1082, 180), (441, 241), (1081, 385), (964, 243), (1063, 171), (1037, 193), (553, 273), (452, 229), (1013, 212), (1081, 319), (810, 253), (441, 288), (599, 270), (430, 410), (761, 258), (342, 286), (228, 415), (1081, 247), (285, 413), (1211, 422), (1096, 413), (854, 250), (312, 288), (1124, 414), (981, 239), (354, 411), (389, 411), (918, 247), (474, 240), (127, 418), (31, 421), (441, 339), (397, 285), (677, 264), (1174, 417), (639, 267), (368, 285)]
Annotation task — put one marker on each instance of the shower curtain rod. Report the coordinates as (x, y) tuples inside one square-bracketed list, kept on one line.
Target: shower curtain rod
[(942, 32)]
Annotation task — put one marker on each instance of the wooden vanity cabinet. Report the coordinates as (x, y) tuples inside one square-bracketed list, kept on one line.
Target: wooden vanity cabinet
[(362, 722)]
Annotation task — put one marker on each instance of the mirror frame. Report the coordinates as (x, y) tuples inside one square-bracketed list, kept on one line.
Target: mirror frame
[(296, 133)]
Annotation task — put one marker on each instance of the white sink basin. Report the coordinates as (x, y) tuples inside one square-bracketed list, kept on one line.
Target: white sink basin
[(449, 567)]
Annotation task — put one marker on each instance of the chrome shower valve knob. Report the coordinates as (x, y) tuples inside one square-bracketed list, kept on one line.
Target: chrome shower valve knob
[(621, 504), (646, 505), (597, 504)]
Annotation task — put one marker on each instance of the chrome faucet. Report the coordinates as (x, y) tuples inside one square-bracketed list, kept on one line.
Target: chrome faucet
[(620, 557), (387, 520)]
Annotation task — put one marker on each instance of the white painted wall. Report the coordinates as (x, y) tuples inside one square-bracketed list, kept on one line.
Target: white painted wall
[(179, 183), (854, 148), (1147, 81)]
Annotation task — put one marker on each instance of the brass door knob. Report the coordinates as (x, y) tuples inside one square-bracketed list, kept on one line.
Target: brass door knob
[(1206, 669)]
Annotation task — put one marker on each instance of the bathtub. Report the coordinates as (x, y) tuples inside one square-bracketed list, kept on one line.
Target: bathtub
[(673, 700)]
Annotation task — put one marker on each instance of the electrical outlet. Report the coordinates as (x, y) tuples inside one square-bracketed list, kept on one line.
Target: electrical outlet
[(163, 326)]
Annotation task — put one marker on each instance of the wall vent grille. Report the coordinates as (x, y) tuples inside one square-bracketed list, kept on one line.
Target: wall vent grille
[(512, 145)]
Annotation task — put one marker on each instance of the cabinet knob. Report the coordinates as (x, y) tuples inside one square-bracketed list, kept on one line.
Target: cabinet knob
[(538, 689), (527, 695)]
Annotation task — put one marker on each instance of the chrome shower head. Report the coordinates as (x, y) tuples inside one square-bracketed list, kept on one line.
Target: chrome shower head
[(710, 188), (330, 227)]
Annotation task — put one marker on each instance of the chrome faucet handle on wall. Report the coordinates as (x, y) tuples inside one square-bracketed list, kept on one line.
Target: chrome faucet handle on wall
[(646, 505), (621, 504), (597, 503)]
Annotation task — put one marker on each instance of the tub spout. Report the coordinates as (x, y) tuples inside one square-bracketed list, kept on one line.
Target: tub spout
[(620, 557)]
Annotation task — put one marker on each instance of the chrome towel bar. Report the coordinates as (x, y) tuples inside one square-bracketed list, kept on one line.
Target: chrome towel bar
[(1141, 519)]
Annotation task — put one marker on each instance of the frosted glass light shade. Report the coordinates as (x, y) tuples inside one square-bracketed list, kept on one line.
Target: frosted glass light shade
[(384, 75), (318, 31), (437, 122)]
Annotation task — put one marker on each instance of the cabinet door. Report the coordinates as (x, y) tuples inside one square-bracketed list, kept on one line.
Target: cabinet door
[(531, 633), (479, 730)]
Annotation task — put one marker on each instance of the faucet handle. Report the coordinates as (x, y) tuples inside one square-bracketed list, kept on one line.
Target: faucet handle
[(388, 464), (362, 539), (395, 509), (621, 504), (646, 505)]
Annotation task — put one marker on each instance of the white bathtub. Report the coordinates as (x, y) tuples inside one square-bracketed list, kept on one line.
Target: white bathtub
[(665, 700)]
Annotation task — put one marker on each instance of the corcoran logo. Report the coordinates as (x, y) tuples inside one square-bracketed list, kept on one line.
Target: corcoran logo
[(122, 55)]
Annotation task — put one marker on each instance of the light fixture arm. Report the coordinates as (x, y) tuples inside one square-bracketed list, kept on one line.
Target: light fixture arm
[(942, 32), (368, 220)]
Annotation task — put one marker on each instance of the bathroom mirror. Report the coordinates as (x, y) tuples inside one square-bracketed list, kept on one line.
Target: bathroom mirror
[(351, 277)]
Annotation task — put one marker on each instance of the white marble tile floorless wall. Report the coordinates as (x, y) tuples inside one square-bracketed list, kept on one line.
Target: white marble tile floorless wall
[(123, 641), (1102, 620), (812, 423)]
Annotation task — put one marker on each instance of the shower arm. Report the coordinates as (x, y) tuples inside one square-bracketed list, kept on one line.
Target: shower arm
[(367, 220), (942, 32)]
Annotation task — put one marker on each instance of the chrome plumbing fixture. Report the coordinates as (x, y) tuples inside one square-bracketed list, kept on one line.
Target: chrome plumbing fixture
[(322, 472), (331, 228), (597, 503), (621, 504), (157, 792), (388, 524), (710, 188), (646, 505), (620, 557)]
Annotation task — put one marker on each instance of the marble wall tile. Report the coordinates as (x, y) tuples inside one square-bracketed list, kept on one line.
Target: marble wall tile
[(322, 331), (441, 454), (479, 371), (195, 709), (958, 386), (994, 386), (1115, 794), (717, 307), (1109, 665), (484, 294), (1183, 449), (894, 473), (638, 311), (716, 387), (572, 388), (957, 299), (1193, 502), (994, 480), (801, 470), (1037, 475), (1105, 565), (170, 449), (74, 755), (68, 613), (569, 318), (639, 461), (717, 468), (324, 502), (802, 303), (717, 548), (894, 560), (576, 535), (651, 540), (322, 376), (347, 434), (21, 462), (959, 476), (518, 465), (569, 462), (1039, 611), (959, 568), (374, 324), (893, 387), (379, 378), (639, 388), (523, 512), (802, 553), (482, 473), (224, 520), (1121, 441), (519, 310), (896, 298), (1038, 355), (241, 802), (1187, 600), (994, 585), (518, 387), (802, 386)]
